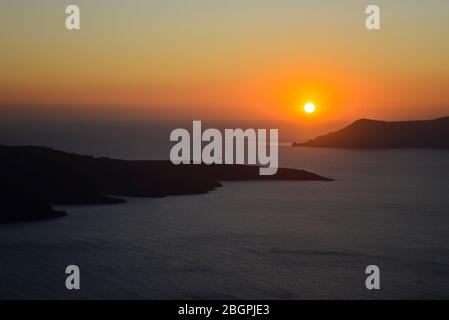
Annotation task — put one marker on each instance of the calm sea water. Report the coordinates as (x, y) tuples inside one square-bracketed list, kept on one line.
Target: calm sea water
[(253, 240)]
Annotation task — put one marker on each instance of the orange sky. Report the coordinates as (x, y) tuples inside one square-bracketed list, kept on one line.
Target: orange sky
[(231, 60)]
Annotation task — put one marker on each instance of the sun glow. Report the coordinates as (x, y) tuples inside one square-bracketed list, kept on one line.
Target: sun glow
[(309, 107)]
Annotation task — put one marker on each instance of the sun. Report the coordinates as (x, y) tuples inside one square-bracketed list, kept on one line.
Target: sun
[(309, 107)]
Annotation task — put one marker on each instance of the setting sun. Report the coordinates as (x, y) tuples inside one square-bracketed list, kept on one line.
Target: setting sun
[(309, 107)]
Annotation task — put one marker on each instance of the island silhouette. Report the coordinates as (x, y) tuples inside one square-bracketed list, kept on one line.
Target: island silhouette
[(35, 178), (375, 134)]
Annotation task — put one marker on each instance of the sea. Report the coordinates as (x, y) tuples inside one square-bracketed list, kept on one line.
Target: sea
[(245, 240)]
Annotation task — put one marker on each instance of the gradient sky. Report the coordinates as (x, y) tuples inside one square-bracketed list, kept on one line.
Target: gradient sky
[(233, 59)]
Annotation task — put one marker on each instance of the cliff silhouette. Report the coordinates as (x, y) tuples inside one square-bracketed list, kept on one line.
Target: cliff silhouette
[(374, 134), (34, 178)]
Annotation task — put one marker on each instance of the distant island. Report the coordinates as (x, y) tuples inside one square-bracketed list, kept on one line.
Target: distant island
[(35, 178), (374, 134)]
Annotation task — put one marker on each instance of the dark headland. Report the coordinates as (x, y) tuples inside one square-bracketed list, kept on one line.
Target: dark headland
[(35, 178), (382, 134)]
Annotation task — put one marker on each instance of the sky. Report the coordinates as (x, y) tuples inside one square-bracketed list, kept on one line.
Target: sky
[(233, 59)]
